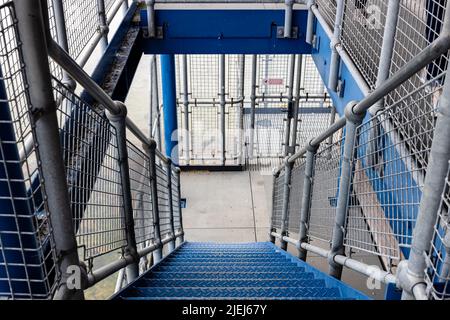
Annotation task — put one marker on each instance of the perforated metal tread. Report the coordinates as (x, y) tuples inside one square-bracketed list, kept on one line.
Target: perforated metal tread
[(235, 271)]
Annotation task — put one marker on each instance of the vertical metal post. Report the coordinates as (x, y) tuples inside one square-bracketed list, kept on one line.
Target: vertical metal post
[(151, 153), (290, 108), (118, 122), (310, 22), (170, 106), (241, 110), (125, 7), (330, 138), (154, 101), (286, 193), (103, 24), (335, 41), (412, 271), (178, 173), (337, 245), (296, 105), (253, 106), (35, 60), (171, 244), (222, 135), (387, 49), (186, 133), (289, 4), (306, 199), (274, 185), (151, 18)]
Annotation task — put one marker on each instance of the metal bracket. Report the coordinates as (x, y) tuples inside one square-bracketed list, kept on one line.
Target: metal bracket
[(291, 149), (280, 33), (159, 32), (340, 88)]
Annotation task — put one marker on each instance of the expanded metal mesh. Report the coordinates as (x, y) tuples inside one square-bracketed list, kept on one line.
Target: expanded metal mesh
[(89, 145), (438, 258), (27, 260), (388, 179), (362, 35), (277, 201), (140, 185), (324, 190), (81, 24), (295, 195)]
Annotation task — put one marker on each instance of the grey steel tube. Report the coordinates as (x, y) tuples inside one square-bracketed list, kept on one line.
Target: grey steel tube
[(154, 101), (434, 187), (118, 122), (177, 172), (222, 137), (253, 106), (306, 200), (103, 24), (35, 61), (346, 175), (241, 111), (272, 228), (151, 18), (289, 4), (285, 210), (171, 246), (310, 23), (287, 132), (296, 105), (186, 133), (335, 41)]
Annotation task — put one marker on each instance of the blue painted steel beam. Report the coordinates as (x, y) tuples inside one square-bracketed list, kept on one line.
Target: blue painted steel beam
[(169, 106), (225, 31)]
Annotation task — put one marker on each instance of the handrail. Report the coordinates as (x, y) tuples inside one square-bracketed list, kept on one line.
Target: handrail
[(435, 49), (78, 74)]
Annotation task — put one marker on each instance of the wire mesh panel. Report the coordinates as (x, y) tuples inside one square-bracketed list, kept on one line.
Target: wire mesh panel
[(277, 204), (362, 35), (273, 74), (163, 199), (140, 185), (324, 190), (388, 180), (81, 24), (176, 201), (27, 255), (89, 145), (295, 195), (328, 10), (438, 258)]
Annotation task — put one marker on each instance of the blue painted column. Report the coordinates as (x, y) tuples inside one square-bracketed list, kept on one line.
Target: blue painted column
[(169, 106)]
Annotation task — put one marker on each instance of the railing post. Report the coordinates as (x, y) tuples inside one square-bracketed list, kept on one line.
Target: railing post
[(296, 105), (335, 41), (151, 18), (35, 60), (103, 28), (306, 199), (274, 185), (337, 245), (171, 244), (154, 100), (290, 109), (222, 136), (310, 22), (286, 193), (241, 110), (118, 123), (177, 172), (289, 4), (151, 153), (412, 272), (186, 133), (253, 106)]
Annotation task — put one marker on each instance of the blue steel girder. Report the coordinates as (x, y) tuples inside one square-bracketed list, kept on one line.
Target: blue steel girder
[(225, 32)]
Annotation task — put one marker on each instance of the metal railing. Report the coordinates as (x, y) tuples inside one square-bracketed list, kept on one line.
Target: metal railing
[(95, 193), (375, 185)]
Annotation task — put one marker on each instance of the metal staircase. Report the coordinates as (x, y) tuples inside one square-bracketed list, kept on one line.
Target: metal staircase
[(235, 271)]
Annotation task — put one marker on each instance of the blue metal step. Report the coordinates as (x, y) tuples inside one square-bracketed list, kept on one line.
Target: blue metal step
[(235, 271)]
